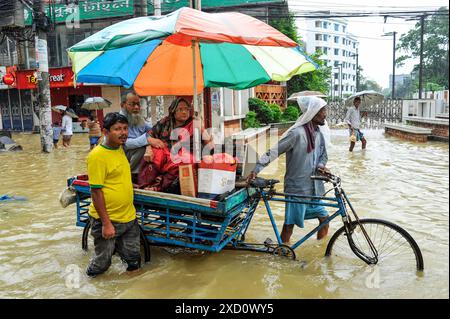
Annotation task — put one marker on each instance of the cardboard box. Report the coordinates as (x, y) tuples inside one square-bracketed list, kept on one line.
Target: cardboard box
[(188, 180), (216, 179)]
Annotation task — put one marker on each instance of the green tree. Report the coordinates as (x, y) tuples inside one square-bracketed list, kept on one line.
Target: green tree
[(251, 121), (435, 48), (367, 84), (317, 80), (291, 113), (276, 113), (286, 26)]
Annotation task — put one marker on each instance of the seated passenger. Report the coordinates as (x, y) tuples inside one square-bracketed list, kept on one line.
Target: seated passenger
[(159, 167)]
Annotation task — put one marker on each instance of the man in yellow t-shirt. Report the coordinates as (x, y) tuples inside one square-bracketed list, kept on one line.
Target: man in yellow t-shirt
[(113, 217)]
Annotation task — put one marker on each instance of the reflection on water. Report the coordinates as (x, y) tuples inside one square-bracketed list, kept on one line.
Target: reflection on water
[(405, 182)]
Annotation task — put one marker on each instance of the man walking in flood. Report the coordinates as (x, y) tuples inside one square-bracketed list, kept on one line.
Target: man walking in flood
[(112, 214), (304, 145), (353, 119)]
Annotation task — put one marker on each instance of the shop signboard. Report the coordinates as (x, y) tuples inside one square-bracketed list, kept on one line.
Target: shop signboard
[(85, 10), (171, 5), (58, 77)]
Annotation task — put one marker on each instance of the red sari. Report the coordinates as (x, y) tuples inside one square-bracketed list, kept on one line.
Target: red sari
[(162, 171)]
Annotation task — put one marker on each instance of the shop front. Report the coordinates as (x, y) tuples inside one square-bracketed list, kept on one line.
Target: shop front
[(20, 110)]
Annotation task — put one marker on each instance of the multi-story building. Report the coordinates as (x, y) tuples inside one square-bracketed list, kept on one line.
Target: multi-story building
[(339, 51)]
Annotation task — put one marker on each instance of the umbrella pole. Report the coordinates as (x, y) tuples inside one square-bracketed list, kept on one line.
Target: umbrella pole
[(197, 135)]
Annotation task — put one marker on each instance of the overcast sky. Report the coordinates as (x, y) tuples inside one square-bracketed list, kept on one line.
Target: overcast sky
[(375, 51)]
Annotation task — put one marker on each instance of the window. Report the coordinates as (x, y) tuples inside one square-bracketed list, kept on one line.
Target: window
[(336, 63), (343, 28), (343, 52), (325, 50), (343, 41), (318, 37), (318, 24), (325, 25), (336, 39), (354, 45), (336, 51), (336, 27), (336, 75), (354, 67), (318, 49), (336, 87), (325, 37)]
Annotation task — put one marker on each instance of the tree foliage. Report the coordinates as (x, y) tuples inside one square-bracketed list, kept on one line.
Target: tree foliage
[(317, 80), (286, 26), (366, 84), (435, 48), (251, 121), (291, 113)]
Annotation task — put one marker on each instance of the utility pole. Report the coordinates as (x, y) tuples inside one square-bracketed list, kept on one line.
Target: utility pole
[(332, 86), (393, 66), (394, 35), (40, 23), (157, 6), (196, 4), (357, 69), (340, 80), (422, 31)]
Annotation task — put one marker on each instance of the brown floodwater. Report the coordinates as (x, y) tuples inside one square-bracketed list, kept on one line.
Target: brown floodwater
[(400, 181)]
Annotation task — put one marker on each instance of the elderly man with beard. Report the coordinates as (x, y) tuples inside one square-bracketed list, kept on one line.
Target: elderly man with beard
[(138, 137), (304, 145)]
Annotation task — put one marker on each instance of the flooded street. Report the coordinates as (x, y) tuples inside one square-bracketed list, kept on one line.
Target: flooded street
[(403, 182)]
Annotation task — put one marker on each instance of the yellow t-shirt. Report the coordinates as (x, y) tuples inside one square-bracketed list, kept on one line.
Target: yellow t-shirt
[(109, 170)]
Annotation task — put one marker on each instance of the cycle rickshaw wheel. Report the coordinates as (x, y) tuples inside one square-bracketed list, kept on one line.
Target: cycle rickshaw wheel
[(87, 241), (284, 251), (395, 246)]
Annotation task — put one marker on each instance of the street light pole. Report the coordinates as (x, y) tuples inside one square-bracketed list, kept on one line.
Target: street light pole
[(393, 66), (340, 80), (357, 68), (332, 86), (422, 31), (394, 34)]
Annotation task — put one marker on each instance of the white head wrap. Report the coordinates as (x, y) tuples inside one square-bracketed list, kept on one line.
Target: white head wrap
[(310, 106)]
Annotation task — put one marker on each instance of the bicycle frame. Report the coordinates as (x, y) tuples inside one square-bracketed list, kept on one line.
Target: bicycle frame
[(335, 202), (338, 202)]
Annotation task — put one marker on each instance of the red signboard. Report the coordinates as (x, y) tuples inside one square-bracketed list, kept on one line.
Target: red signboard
[(58, 77)]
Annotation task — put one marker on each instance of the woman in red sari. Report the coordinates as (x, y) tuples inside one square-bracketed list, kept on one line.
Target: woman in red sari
[(159, 167)]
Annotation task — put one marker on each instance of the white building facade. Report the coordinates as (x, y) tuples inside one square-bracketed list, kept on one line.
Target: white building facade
[(339, 48)]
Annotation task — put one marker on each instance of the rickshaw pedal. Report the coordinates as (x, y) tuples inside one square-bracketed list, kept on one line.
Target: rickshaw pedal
[(268, 242)]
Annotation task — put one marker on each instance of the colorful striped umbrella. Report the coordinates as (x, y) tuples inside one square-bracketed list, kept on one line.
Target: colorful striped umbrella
[(158, 55)]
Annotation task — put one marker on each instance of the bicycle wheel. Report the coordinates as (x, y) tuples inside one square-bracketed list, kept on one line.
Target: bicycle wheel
[(396, 249)]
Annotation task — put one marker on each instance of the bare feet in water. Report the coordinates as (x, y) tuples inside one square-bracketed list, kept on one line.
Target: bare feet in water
[(323, 231)]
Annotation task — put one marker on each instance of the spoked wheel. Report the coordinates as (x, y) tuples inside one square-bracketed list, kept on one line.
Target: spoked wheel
[(395, 249), (284, 251), (87, 242)]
